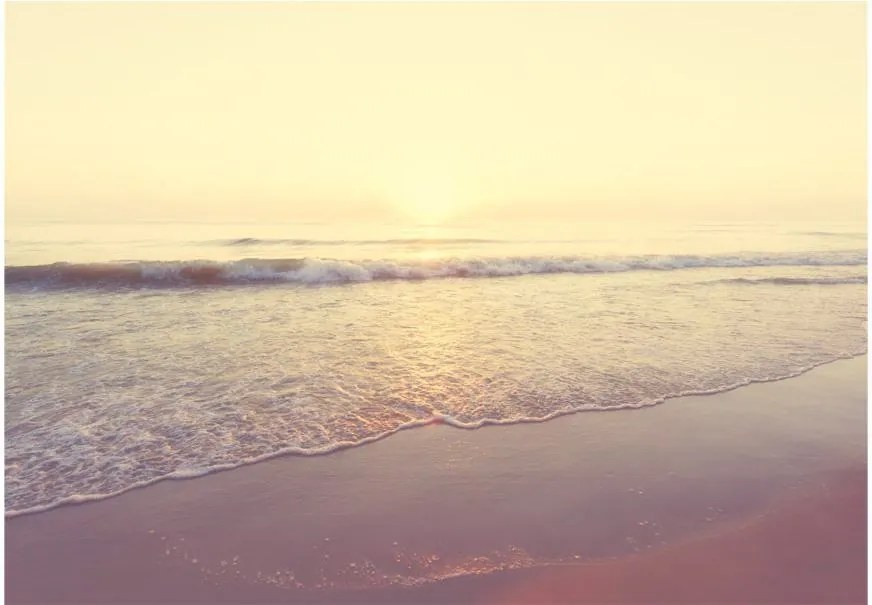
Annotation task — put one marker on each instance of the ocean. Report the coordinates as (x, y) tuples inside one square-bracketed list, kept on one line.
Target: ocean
[(148, 351)]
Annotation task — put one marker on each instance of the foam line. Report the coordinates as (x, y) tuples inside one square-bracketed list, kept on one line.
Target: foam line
[(435, 419)]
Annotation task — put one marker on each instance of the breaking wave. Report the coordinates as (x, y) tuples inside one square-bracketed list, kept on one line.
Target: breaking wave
[(156, 274), (796, 281), (842, 234), (411, 241)]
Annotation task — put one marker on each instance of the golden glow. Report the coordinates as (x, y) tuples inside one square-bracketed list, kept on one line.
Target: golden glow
[(435, 112), (430, 205), (425, 196)]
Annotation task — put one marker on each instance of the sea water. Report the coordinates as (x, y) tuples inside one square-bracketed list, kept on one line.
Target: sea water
[(139, 352)]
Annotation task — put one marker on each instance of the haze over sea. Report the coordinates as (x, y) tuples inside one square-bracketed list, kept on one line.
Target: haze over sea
[(138, 352)]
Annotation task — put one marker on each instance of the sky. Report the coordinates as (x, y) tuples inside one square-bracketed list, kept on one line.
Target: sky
[(435, 112)]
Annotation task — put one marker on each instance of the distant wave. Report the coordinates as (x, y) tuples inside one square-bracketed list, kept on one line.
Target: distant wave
[(157, 274), (411, 241), (795, 281), (845, 234)]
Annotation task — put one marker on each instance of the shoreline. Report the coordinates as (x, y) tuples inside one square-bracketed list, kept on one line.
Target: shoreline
[(435, 420), (466, 515)]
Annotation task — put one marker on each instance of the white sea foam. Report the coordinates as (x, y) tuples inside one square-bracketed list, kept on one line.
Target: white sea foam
[(332, 271), (796, 281), (437, 418)]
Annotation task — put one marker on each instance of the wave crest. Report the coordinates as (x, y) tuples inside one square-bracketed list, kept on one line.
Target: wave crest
[(796, 281), (330, 271), (407, 241)]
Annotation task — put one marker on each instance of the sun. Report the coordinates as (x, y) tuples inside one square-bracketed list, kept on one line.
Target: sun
[(428, 201), (426, 210)]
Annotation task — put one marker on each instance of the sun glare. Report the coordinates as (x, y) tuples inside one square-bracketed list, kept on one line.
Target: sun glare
[(429, 210), (427, 201)]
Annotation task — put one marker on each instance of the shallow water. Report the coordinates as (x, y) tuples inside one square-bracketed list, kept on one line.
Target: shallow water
[(132, 370)]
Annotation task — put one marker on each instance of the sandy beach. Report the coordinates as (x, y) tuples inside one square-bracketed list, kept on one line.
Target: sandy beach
[(753, 495), (436, 302)]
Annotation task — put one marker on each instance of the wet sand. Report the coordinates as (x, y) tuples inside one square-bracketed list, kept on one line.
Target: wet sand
[(810, 548), (754, 495)]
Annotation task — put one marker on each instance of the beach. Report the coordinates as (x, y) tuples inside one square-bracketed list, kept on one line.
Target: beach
[(436, 303), (756, 494)]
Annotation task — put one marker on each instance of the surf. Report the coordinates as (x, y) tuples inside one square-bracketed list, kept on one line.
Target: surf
[(313, 271)]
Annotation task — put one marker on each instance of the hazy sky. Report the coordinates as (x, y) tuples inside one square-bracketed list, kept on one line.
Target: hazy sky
[(735, 111)]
